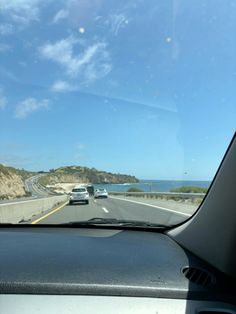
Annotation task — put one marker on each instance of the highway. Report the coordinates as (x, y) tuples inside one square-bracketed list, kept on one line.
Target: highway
[(111, 208), (43, 208), (32, 186), (37, 190)]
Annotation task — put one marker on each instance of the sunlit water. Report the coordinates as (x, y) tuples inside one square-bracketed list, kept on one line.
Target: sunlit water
[(153, 185)]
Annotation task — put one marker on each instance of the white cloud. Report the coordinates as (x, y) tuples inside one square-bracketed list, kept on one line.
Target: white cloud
[(95, 71), (6, 73), (91, 64), (82, 12), (20, 11), (60, 15), (29, 105), (3, 100), (62, 53), (22, 63), (6, 29), (4, 47), (63, 86), (79, 146), (79, 151)]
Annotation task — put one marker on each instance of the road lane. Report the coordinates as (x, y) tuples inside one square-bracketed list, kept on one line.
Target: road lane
[(121, 209), (75, 212), (112, 208), (169, 205), (32, 185)]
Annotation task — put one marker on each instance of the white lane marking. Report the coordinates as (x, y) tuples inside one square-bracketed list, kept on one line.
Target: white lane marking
[(105, 210), (95, 201), (155, 206)]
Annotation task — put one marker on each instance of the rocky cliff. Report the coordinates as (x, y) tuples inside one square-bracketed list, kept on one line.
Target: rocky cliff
[(12, 182)]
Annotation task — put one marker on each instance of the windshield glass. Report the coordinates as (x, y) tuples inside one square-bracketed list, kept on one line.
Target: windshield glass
[(155, 78)]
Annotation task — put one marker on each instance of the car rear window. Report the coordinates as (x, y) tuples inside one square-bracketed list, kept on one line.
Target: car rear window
[(79, 190)]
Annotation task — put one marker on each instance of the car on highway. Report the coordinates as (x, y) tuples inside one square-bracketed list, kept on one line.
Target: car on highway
[(79, 194), (90, 189), (100, 193)]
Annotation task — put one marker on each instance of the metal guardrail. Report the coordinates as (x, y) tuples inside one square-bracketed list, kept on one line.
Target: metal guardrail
[(160, 194)]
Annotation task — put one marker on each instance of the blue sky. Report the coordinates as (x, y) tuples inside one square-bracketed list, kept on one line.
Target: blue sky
[(146, 88)]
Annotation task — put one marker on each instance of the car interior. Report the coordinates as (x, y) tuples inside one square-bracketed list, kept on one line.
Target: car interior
[(189, 268)]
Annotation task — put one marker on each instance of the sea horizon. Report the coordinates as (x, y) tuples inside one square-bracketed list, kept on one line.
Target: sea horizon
[(154, 185)]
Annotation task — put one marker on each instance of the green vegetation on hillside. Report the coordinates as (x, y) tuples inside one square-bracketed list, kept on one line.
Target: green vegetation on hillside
[(24, 174), (189, 189), (134, 190), (44, 180), (78, 174)]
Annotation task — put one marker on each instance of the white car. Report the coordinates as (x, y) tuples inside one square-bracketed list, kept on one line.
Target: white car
[(79, 194), (100, 193)]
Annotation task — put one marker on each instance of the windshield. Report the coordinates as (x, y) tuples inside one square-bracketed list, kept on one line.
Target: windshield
[(155, 78)]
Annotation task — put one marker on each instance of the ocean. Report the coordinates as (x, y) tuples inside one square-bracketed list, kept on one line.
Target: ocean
[(152, 185)]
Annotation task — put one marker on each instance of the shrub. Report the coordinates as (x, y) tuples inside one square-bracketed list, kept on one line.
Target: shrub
[(134, 190), (189, 189), (28, 193)]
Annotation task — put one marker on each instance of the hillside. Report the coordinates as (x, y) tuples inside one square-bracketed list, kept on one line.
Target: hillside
[(12, 182), (77, 174)]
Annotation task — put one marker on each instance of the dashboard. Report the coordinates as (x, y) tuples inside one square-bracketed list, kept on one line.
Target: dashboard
[(67, 270)]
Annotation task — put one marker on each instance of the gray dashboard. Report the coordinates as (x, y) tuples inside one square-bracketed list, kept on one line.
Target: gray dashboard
[(101, 262)]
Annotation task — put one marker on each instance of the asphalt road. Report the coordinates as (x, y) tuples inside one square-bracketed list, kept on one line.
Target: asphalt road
[(111, 208), (32, 185)]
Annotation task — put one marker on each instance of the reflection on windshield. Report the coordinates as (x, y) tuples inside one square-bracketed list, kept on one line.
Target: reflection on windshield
[(129, 104)]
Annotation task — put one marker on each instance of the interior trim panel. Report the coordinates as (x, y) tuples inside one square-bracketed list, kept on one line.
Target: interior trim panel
[(21, 304)]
